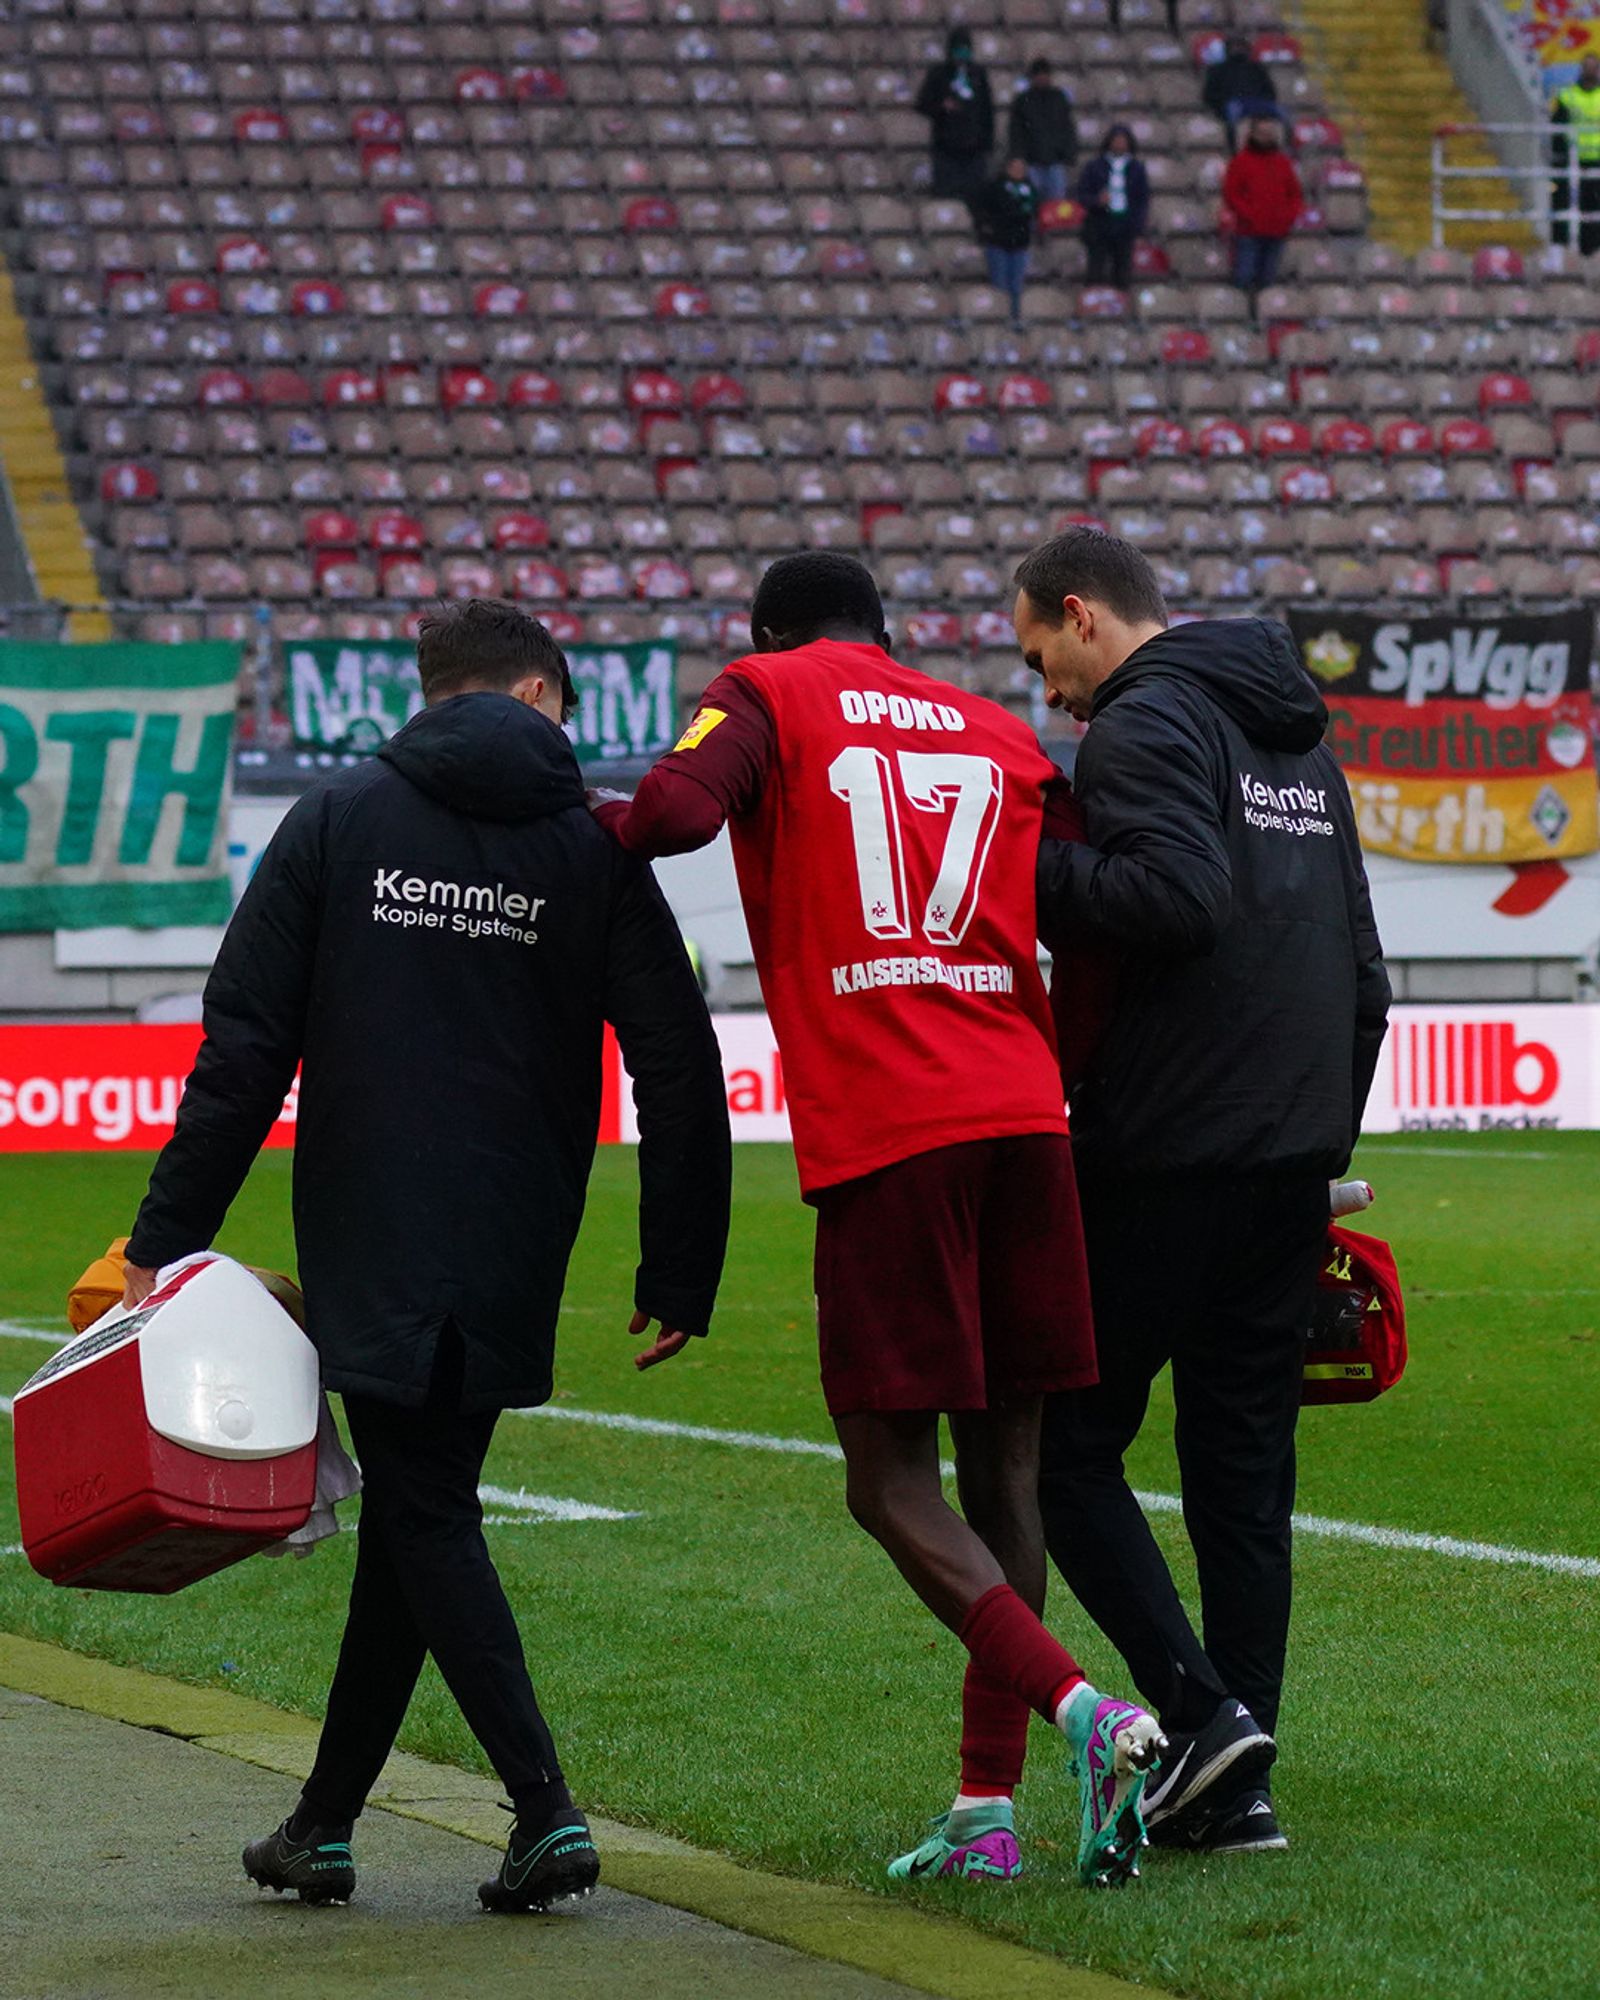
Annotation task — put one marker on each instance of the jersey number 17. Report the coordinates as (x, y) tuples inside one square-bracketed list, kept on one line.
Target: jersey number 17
[(968, 790)]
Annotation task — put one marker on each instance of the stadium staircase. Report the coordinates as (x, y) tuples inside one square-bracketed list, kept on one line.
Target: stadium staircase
[(54, 542), (1390, 91)]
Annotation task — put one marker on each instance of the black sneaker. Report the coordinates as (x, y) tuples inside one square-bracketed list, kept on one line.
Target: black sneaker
[(1232, 1745), (319, 1866), (545, 1862), (1240, 1823)]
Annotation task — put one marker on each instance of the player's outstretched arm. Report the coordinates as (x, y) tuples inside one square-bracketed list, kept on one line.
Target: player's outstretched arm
[(653, 1000), (254, 1016), (713, 773)]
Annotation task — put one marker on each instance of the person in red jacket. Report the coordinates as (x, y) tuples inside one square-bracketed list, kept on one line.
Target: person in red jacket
[(1261, 196)]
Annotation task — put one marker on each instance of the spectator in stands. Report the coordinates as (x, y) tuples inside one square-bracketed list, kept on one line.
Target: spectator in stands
[(1043, 132), (1114, 189), (1578, 109), (1238, 87), (1261, 199), (1004, 213), (956, 101)]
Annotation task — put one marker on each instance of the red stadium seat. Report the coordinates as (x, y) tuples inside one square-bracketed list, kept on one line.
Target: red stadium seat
[(136, 483), (1503, 391), (1406, 438), (499, 299), (1466, 437), (392, 532), (650, 214), (1496, 263), (1207, 47), (1186, 346), (934, 630), (677, 301), (283, 389), (1275, 45), (535, 83), (1150, 260), (464, 387), (845, 260), (519, 530), (1060, 218), (1317, 134), (193, 295), (960, 392), (331, 529), (1023, 392), (1346, 437), (1160, 437), (531, 388), (1280, 437), (1223, 438)]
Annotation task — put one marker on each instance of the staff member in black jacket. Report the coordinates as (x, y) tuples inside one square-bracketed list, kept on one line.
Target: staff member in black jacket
[(1222, 861), (437, 939)]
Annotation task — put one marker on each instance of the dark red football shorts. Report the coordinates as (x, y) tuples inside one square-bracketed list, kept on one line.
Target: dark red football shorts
[(954, 1280)]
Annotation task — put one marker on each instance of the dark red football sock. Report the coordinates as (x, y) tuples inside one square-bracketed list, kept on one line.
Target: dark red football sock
[(1013, 1648), (994, 1735)]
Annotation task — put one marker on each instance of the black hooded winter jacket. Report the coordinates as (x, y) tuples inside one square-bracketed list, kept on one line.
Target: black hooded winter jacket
[(1222, 857), (438, 938)]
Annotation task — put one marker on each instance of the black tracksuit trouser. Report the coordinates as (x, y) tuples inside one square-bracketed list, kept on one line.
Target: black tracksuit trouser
[(424, 1583), (1216, 1274)]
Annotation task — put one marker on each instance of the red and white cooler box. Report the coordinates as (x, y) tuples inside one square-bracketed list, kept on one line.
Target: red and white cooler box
[(167, 1442)]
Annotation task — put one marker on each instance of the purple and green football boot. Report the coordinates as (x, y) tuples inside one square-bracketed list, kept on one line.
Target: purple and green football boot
[(975, 1846), (1113, 1746)]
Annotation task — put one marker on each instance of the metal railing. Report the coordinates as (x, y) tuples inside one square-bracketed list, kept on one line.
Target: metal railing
[(1530, 162)]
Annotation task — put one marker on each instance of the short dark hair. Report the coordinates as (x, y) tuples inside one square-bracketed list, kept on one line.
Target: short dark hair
[(483, 642), (1040, 66), (1089, 563), (801, 595)]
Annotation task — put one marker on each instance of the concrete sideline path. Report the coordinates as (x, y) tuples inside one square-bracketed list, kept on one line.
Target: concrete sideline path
[(125, 1796)]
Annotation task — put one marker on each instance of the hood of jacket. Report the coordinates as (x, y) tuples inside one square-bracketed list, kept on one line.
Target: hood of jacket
[(1248, 667), (489, 757)]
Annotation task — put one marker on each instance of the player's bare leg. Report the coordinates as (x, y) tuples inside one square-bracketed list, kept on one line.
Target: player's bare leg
[(997, 1480), (893, 1491)]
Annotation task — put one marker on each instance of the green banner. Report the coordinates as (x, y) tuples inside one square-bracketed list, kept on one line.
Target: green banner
[(346, 696), (115, 770)]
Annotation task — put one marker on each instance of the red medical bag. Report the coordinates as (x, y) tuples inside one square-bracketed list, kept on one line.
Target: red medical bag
[(167, 1442), (1356, 1343)]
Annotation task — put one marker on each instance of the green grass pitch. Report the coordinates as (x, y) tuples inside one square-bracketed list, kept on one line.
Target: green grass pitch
[(739, 1666)]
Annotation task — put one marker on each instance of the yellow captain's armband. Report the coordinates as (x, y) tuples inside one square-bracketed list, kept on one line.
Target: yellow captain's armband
[(700, 728)]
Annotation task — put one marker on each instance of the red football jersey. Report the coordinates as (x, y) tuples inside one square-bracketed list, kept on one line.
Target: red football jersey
[(887, 873)]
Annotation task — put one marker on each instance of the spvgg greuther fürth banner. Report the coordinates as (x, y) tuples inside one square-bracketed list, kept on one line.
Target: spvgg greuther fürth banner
[(1463, 739)]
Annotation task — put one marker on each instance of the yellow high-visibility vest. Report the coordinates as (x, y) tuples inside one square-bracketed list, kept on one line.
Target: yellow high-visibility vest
[(1583, 118)]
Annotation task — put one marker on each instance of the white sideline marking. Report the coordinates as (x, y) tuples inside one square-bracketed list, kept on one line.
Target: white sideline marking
[(13, 1549), (1155, 1503), (528, 1508), (5, 1406), (16, 1329), (1449, 1153)]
